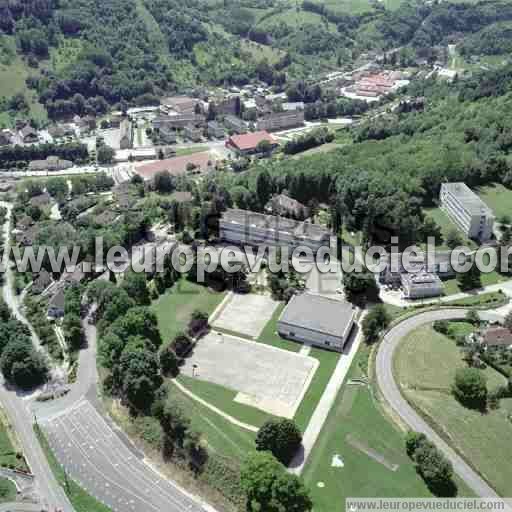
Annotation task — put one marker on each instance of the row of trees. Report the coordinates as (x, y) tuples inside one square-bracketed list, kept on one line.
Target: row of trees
[(310, 140), (11, 155), (21, 364), (431, 464)]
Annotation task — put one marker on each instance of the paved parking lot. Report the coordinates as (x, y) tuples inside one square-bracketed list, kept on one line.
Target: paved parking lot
[(95, 457), (269, 378), (247, 314)]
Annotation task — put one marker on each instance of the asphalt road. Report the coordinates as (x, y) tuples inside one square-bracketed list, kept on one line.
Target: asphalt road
[(98, 456), (391, 392)]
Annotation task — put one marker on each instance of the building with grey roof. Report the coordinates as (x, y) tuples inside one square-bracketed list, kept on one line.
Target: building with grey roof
[(317, 320), (469, 213), (246, 227), (421, 285)]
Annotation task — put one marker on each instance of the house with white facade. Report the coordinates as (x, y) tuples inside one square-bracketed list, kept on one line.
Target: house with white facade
[(421, 286), (317, 320), (469, 213)]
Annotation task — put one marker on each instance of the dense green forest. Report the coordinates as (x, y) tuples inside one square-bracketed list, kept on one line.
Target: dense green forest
[(82, 56)]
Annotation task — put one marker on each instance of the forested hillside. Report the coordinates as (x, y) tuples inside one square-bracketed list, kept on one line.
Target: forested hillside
[(81, 56)]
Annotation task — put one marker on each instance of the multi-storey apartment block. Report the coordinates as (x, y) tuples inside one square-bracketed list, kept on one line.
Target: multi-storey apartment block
[(469, 213)]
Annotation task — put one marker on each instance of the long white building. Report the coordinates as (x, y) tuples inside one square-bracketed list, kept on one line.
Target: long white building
[(243, 226), (470, 214)]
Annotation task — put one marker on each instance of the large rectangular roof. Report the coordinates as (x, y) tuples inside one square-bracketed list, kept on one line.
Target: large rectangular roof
[(469, 200), (318, 313)]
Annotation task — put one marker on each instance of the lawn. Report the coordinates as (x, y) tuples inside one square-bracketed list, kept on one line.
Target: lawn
[(498, 198), (7, 491), (451, 286), (191, 150), (224, 399), (175, 307), (446, 225), (222, 437), (425, 366), (354, 428), (81, 500), (328, 361), (269, 335), (260, 52), (9, 456), (13, 73)]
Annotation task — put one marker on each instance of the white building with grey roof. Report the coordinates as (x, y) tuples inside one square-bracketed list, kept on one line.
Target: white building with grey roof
[(421, 285), (469, 213), (252, 228), (317, 320)]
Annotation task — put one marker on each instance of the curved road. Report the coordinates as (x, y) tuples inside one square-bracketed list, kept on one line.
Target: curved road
[(391, 392)]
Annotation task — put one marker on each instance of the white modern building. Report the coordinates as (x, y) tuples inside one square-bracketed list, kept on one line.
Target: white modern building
[(246, 227), (421, 285), (317, 320), (470, 214)]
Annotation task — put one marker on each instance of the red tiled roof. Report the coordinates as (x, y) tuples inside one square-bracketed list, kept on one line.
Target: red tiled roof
[(250, 140), (176, 166), (498, 336)]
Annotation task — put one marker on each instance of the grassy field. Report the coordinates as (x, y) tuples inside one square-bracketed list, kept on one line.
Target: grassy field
[(328, 361), (174, 308), (10, 457), (446, 225), (451, 286), (7, 491), (482, 301), (13, 73), (498, 198), (425, 367), (370, 447), (222, 436), (260, 51), (81, 500), (191, 151), (224, 399), (355, 6), (269, 335)]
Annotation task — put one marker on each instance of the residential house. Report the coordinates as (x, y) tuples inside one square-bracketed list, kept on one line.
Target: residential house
[(52, 163), (41, 200), (317, 320), (469, 213), (167, 135), (56, 305), (177, 122), (421, 286), (235, 124), (395, 266), (41, 282), (193, 133), (215, 130), (247, 144), (28, 134), (5, 137), (285, 206), (180, 104), (281, 120), (497, 337)]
